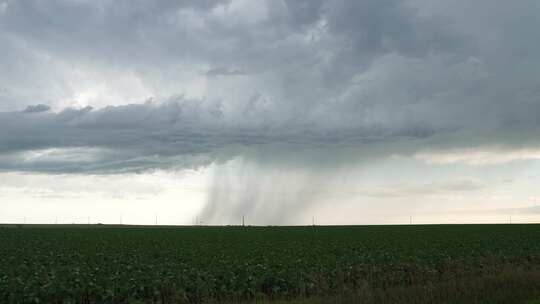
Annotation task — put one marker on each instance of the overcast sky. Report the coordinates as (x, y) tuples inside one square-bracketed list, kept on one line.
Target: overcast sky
[(363, 112)]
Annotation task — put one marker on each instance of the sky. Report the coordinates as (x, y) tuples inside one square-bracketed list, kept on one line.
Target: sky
[(284, 112)]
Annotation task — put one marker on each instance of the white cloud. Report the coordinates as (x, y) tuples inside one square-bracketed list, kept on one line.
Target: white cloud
[(175, 197), (411, 190), (480, 156)]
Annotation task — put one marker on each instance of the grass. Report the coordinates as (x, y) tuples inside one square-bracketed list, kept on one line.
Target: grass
[(340, 264)]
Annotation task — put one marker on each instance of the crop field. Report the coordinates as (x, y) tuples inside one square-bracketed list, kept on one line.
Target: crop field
[(342, 264)]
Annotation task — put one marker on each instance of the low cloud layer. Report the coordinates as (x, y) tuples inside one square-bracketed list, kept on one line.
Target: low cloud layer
[(160, 135)]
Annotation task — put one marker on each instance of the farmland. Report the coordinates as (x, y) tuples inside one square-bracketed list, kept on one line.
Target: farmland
[(127, 264)]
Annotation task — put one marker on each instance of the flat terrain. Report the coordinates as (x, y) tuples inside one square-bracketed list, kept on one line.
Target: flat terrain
[(345, 264)]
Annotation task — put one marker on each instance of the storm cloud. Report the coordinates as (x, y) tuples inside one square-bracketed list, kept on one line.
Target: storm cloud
[(104, 87)]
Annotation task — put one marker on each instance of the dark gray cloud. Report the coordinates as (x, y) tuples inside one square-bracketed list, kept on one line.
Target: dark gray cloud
[(36, 108), (221, 71), (175, 133), (230, 75)]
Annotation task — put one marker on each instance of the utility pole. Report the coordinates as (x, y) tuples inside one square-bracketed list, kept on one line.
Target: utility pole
[(156, 220), (243, 221), (88, 220), (313, 221)]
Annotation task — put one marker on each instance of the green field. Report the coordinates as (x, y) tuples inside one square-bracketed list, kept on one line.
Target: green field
[(356, 264)]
